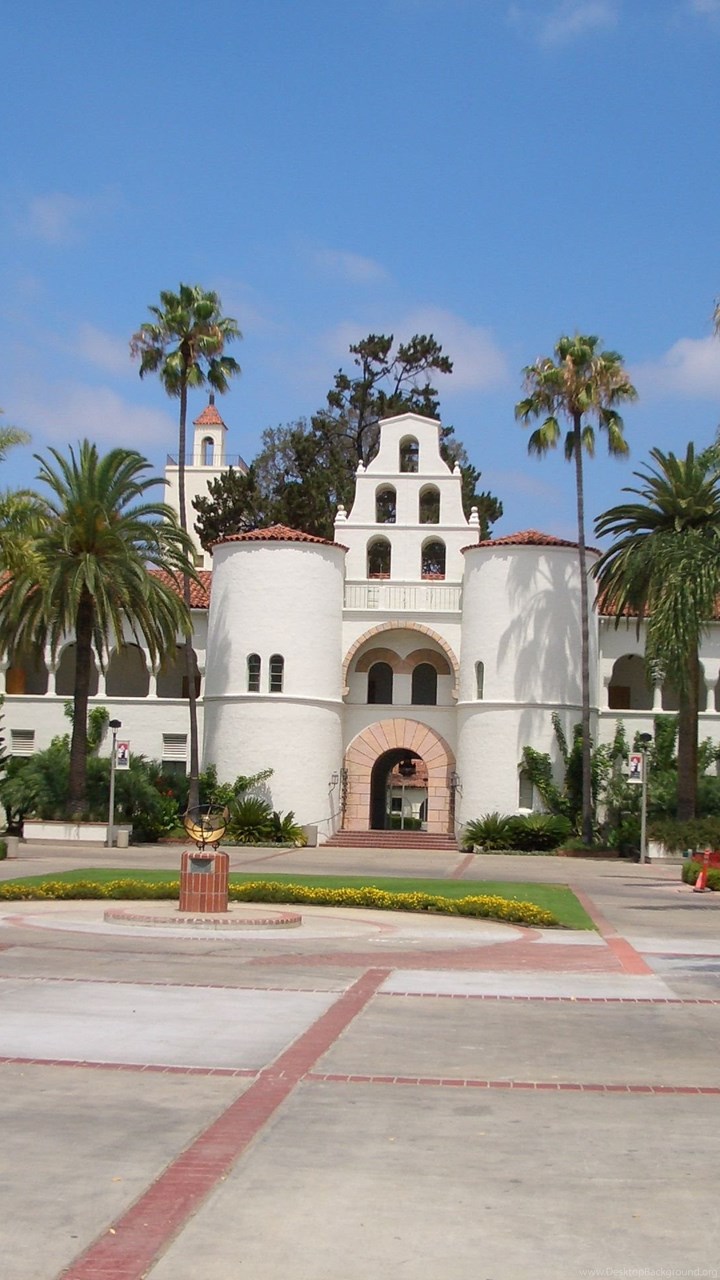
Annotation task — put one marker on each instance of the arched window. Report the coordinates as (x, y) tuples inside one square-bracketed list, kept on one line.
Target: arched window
[(433, 560), (27, 675), (385, 505), (430, 505), (277, 669), (253, 672), (65, 674), (525, 790), (380, 683), (629, 689), (208, 451), (424, 686), (409, 454), (479, 680), (378, 558), (127, 675)]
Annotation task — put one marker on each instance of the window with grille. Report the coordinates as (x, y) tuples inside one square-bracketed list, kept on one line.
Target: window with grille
[(277, 668), (22, 742), (253, 672)]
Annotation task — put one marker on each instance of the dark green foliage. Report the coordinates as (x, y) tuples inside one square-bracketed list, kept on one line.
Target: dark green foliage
[(691, 870), (491, 831), (252, 820), (523, 832), (37, 787), (699, 833), (539, 831), (400, 822)]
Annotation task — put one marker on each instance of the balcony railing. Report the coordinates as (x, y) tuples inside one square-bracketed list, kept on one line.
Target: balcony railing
[(425, 597)]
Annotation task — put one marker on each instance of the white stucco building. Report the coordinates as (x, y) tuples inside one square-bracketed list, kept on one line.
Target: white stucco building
[(393, 674)]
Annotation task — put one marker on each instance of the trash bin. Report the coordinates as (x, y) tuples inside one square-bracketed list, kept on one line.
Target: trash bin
[(204, 881), (11, 843), (123, 838)]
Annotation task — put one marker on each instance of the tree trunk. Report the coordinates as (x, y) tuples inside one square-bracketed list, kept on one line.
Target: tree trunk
[(688, 742), (81, 693), (587, 801), (194, 787)]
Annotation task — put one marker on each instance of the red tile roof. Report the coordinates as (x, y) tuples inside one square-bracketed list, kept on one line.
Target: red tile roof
[(199, 591), (209, 418), (277, 533), (528, 538)]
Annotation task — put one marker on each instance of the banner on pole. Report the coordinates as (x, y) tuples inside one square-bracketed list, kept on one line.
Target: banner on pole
[(122, 755), (637, 764)]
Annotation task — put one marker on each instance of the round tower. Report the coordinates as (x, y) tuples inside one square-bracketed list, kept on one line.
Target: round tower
[(519, 663), (273, 688)]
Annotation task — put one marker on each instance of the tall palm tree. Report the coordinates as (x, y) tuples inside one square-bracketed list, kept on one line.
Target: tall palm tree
[(184, 343), (88, 574), (664, 567), (581, 384)]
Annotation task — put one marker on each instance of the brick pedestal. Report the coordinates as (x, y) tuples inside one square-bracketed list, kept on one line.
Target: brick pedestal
[(204, 881)]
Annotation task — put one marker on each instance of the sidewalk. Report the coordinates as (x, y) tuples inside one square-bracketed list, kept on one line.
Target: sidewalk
[(366, 1096)]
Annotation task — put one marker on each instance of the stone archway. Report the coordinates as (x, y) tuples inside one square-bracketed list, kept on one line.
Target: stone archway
[(412, 736)]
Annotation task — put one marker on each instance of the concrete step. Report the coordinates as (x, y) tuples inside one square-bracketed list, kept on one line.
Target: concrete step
[(390, 840)]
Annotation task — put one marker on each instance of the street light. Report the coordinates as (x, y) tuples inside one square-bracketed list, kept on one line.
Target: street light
[(644, 740), (114, 725)]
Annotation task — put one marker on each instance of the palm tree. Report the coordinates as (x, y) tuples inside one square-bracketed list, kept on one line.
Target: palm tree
[(664, 567), (184, 343), (88, 574), (20, 511), (9, 437), (582, 384)]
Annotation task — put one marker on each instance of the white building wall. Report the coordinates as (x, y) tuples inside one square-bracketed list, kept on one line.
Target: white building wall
[(521, 619), (282, 598)]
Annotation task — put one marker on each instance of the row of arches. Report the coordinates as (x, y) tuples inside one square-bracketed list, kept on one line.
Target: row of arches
[(432, 559), (628, 689), (386, 504), (127, 675)]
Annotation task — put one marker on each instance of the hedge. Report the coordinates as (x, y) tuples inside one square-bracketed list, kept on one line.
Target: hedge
[(486, 906), (691, 870)]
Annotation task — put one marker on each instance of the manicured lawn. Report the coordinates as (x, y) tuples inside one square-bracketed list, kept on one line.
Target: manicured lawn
[(558, 899)]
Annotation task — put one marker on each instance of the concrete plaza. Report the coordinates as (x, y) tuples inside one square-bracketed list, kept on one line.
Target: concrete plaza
[(366, 1096)]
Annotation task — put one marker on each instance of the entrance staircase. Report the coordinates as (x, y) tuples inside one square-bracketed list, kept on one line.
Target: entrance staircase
[(391, 840)]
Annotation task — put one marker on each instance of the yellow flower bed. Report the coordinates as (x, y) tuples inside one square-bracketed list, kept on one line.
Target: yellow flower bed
[(485, 906)]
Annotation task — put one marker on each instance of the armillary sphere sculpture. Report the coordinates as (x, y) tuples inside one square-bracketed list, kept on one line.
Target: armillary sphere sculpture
[(205, 824)]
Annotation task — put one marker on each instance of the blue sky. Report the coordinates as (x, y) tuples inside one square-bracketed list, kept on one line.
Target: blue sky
[(497, 172)]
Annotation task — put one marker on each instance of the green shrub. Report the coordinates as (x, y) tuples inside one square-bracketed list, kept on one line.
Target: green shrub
[(250, 821), (541, 831), (699, 833), (400, 822), (3, 849), (691, 870), (491, 831), (285, 830), (522, 832)]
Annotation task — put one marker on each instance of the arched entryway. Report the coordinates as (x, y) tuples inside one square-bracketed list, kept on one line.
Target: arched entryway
[(399, 792), (373, 763)]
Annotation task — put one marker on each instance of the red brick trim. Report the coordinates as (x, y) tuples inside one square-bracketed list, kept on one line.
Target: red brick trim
[(553, 1086), (128, 1249)]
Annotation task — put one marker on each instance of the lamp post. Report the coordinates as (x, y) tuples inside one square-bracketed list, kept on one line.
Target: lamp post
[(644, 740), (114, 725)]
